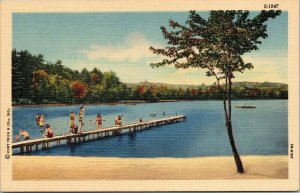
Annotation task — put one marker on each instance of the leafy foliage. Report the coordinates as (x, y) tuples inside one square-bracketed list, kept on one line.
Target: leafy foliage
[(215, 44), (36, 81), (44, 82), (240, 91), (79, 89)]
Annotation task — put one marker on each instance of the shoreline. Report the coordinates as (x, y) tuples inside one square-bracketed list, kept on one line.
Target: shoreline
[(113, 168), (128, 102)]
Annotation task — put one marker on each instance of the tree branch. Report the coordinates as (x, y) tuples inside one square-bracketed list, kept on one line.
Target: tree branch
[(218, 80), (224, 95), (229, 96)]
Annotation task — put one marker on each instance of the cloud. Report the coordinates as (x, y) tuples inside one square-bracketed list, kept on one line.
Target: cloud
[(134, 48), (131, 57), (272, 69)]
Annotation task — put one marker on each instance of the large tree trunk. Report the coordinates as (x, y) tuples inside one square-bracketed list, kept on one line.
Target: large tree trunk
[(227, 112), (237, 159), (236, 155)]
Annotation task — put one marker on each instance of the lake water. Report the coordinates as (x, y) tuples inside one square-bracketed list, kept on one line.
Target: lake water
[(259, 131)]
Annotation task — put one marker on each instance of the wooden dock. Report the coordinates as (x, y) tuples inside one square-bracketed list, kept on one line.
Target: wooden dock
[(36, 144)]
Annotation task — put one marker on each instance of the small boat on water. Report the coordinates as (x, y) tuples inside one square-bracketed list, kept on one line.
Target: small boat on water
[(246, 106)]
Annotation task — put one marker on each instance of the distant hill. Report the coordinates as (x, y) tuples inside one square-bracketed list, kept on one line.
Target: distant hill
[(235, 85), (240, 90), (253, 84), (175, 86)]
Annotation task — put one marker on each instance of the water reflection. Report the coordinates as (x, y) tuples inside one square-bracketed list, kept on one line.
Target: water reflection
[(132, 139), (73, 148), (120, 137)]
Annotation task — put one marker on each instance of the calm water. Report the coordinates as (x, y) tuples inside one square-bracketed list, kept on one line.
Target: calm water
[(260, 131)]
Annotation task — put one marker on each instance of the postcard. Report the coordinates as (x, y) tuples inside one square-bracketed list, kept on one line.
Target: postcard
[(149, 95)]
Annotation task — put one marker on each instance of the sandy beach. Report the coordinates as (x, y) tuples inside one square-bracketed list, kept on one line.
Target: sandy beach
[(95, 168)]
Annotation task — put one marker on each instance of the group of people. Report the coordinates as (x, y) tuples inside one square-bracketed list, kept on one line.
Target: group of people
[(74, 128), (23, 134), (154, 114), (40, 121), (99, 120)]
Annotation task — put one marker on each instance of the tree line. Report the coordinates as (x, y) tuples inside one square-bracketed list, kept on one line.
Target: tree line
[(240, 90), (36, 81)]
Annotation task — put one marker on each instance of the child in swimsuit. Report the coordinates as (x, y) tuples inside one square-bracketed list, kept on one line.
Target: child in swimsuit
[(80, 117), (37, 119), (118, 120), (24, 134), (49, 132), (41, 122), (72, 122), (99, 121)]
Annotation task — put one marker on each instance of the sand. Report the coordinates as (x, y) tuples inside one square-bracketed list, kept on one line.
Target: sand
[(95, 168)]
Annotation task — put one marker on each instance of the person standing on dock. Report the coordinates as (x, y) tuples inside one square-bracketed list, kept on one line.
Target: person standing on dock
[(49, 132), (99, 121), (72, 123), (118, 120), (72, 120), (80, 117), (24, 134)]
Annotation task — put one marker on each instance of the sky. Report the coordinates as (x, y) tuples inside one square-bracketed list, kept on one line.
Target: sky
[(120, 42)]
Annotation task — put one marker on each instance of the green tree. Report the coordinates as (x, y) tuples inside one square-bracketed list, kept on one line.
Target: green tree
[(23, 66), (110, 79), (59, 89), (40, 82), (85, 76), (96, 76), (217, 45), (17, 76)]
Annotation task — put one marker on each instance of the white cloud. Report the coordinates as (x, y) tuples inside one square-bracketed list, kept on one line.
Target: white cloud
[(131, 57), (272, 69), (135, 47)]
